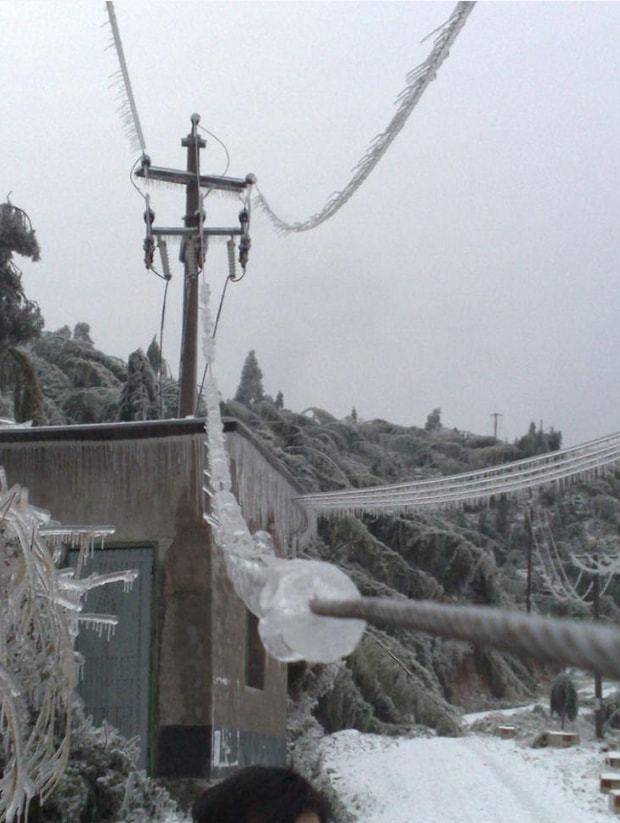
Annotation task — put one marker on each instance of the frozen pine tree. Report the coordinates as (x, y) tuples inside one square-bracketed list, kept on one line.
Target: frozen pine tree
[(433, 421), (251, 385), (279, 402), (20, 318), (564, 700), (154, 355), (140, 395), (81, 332)]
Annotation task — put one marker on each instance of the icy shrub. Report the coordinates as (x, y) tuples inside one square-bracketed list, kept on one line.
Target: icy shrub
[(564, 700), (102, 782), (607, 507)]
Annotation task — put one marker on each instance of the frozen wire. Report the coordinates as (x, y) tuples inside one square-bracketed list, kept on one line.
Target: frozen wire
[(418, 80), (161, 347), (570, 643), (128, 110), (222, 144), (215, 325)]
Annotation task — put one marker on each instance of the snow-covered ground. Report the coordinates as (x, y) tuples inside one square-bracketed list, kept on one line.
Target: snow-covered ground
[(472, 779)]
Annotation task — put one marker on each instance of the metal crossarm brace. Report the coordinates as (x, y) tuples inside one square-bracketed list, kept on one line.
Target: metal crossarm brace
[(184, 178), (187, 231)]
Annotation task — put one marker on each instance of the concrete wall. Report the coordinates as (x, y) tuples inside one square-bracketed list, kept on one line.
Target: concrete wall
[(145, 479)]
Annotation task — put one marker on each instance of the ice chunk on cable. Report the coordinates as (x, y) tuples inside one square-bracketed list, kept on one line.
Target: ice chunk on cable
[(287, 627), (277, 591)]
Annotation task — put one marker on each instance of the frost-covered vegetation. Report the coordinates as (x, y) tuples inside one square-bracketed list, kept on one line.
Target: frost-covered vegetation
[(397, 681), (54, 765)]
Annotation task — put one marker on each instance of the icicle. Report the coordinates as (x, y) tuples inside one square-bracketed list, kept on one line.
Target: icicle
[(38, 626)]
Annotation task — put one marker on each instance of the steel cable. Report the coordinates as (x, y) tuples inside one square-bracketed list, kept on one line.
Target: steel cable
[(565, 642)]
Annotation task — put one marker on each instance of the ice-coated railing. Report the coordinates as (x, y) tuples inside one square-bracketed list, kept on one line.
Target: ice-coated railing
[(564, 466)]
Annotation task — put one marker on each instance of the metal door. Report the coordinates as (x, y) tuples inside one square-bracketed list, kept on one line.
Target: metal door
[(116, 680)]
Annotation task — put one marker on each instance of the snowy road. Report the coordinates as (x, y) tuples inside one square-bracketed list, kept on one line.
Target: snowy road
[(471, 779)]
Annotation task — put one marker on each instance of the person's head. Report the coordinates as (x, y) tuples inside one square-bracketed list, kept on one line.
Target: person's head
[(262, 794)]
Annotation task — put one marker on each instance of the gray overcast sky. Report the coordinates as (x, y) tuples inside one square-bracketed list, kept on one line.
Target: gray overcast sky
[(476, 270)]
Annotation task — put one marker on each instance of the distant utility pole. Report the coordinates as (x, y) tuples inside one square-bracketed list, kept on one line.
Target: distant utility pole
[(598, 680), (496, 416), (530, 546), (194, 237), (598, 565)]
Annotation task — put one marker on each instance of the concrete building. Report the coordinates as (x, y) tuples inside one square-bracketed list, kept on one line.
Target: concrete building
[(186, 670)]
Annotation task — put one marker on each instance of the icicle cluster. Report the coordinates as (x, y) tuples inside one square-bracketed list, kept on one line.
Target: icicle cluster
[(556, 579), (127, 109), (417, 81), (276, 590), (39, 621)]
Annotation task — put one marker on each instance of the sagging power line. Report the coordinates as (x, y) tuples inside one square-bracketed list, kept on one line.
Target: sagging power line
[(418, 80)]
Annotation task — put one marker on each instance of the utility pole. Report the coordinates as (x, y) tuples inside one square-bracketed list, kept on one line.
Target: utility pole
[(194, 237), (495, 416), (193, 219), (530, 546), (598, 680)]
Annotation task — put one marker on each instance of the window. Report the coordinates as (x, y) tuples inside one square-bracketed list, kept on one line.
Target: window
[(254, 653)]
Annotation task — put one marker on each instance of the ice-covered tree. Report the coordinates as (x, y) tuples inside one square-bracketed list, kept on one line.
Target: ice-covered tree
[(54, 764), (564, 700), (140, 395), (154, 355), (433, 421), (81, 332), (251, 385), (279, 402), (20, 318)]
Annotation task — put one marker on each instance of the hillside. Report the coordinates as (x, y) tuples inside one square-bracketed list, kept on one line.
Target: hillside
[(398, 680)]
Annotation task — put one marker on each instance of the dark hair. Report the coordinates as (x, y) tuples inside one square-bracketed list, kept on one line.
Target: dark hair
[(260, 794)]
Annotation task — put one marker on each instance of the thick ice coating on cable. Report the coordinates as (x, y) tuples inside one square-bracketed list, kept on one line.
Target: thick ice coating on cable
[(277, 591)]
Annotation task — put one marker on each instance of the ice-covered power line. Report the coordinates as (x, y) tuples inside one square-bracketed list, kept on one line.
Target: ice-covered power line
[(277, 590), (128, 109), (569, 643), (418, 80), (560, 467)]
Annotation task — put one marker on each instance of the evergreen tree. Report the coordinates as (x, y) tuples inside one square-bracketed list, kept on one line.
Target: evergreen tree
[(154, 354), (433, 421), (64, 332), (354, 414), (251, 385), (140, 396), (564, 701), (20, 318), (279, 402), (81, 332)]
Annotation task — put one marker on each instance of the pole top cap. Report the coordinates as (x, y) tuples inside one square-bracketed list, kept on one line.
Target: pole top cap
[(195, 118)]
